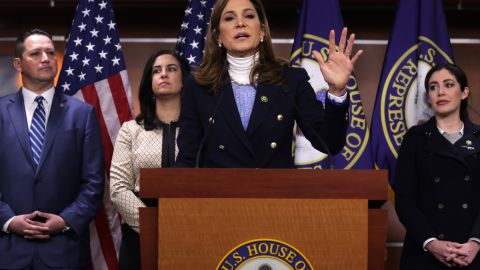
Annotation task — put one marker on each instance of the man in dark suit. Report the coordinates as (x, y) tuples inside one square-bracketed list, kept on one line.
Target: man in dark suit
[(51, 166)]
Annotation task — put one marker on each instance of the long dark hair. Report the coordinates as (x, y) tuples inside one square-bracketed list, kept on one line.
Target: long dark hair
[(146, 97), (209, 74), (459, 75)]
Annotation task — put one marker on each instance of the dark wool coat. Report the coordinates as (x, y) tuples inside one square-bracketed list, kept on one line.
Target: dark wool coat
[(437, 192)]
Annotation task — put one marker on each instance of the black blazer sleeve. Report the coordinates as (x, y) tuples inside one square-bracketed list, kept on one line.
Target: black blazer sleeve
[(330, 123)]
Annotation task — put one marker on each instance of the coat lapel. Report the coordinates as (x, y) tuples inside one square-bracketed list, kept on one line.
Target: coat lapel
[(230, 112), (439, 145), (469, 144), (16, 110), (265, 98), (436, 143), (57, 113)]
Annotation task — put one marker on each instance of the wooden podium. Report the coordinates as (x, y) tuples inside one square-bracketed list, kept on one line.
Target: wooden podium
[(332, 217)]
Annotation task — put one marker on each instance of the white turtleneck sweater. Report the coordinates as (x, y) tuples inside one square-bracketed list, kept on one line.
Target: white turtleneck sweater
[(239, 68), (243, 90)]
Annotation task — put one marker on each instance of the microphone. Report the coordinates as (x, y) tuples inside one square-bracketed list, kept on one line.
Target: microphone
[(286, 91), (211, 120)]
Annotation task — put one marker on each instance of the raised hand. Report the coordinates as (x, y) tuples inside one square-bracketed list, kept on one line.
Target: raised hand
[(337, 68)]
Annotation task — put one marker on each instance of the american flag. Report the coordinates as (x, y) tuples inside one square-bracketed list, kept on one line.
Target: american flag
[(191, 41), (94, 71)]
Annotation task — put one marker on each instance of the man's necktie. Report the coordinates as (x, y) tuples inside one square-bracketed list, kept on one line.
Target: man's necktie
[(37, 130)]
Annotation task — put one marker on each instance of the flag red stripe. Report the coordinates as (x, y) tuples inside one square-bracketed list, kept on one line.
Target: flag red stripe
[(90, 96), (106, 240), (120, 98), (112, 105), (105, 237)]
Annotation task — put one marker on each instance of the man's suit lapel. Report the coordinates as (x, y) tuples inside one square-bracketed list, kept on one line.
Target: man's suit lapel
[(16, 109), (57, 113), (229, 109)]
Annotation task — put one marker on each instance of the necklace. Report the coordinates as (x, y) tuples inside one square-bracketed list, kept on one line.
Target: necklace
[(245, 83), (240, 83)]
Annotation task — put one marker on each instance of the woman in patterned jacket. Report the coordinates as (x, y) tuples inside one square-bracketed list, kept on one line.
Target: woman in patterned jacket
[(149, 141)]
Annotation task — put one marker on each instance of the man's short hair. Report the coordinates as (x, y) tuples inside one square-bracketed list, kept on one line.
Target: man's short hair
[(20, 44)]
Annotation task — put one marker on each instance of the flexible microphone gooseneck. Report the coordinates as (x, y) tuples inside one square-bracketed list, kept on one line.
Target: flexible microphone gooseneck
[(211, 120), (286, 91)]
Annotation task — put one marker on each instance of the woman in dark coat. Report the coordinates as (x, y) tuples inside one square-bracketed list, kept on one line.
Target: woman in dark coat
[(437, 192)]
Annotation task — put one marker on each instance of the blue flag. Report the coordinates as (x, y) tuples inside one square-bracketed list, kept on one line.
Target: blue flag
[(419, 41), (316, 21), (191, 41)]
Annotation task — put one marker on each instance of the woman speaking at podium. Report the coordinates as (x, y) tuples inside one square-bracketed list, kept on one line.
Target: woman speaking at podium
[(240, 107)]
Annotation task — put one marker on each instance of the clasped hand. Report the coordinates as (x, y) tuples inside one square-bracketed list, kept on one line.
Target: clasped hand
[(336, 69), (37, 225), (454, 254)]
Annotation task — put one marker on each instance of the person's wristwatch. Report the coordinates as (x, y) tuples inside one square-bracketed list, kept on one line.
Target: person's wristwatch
[(66, 228)]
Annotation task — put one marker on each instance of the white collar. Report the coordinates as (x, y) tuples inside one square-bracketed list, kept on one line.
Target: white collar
[(458, 132), (239, 69), (29, 96)]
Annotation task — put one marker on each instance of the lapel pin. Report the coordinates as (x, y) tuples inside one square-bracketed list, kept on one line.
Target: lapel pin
[(468, 147), (264, 98)]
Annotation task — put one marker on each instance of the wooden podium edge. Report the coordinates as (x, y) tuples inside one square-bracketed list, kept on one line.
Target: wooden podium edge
[(288, 184), (148, 237), (377, 236)]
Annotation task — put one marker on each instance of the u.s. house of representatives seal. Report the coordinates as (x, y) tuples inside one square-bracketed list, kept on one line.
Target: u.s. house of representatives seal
[(264, 254)]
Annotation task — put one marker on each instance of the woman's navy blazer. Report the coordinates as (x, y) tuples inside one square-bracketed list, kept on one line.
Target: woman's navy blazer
[(267, 141)]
